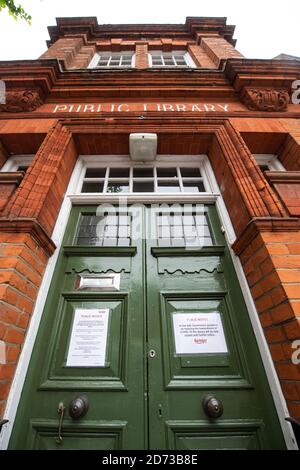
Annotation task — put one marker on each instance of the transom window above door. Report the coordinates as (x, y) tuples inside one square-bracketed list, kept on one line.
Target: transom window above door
[(112, 60), (115, 180)]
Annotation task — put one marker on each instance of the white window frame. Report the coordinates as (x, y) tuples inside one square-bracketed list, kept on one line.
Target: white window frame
[(165, 161), (185, 54), (71, 198), (12, 163), (96, 58), (269, 159)]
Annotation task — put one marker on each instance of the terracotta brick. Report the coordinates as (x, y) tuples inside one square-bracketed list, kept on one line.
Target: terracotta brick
[(290, 391), (266, 319), (4, 389), (294, 409), (14, 336), (23, 321), (275, 334), (277, 352), (294, 249), (288, 371), (292, 329), (292, 290), (9, 315), (282, 312), (7, 371), (2, 330), (12, 353), (278, 249), (289, 275)]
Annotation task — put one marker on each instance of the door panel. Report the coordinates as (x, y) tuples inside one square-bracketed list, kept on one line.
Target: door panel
[(149, 393), (201, 281), (116, 418)]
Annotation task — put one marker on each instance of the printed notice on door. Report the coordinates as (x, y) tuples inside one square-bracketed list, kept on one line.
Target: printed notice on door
[(88, 338), (199, 333)]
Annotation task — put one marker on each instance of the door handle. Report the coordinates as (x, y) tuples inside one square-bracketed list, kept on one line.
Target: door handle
[(213, 407), (79, 406)]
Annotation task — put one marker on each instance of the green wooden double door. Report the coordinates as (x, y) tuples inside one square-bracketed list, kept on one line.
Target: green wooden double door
[(170, 328)]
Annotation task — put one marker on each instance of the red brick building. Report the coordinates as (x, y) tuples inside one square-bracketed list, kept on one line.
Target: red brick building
[(162, 346)]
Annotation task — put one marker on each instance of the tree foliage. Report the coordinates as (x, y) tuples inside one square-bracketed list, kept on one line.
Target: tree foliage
[(16, 11)]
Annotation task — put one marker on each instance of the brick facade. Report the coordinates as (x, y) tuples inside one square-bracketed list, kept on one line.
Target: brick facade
[(263, 207)]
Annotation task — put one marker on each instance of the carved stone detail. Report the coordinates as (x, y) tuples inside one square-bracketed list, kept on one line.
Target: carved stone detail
[(21, 101), (265, 99)]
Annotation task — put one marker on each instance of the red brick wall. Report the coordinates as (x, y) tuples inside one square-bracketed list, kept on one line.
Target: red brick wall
[(271, 263), (22, 265)]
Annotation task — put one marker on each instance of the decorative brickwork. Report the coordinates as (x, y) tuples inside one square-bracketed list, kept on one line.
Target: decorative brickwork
[(265, 99), (21, 101)]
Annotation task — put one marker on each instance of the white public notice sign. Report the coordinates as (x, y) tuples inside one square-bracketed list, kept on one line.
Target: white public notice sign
[(199, 333), (88, 338)]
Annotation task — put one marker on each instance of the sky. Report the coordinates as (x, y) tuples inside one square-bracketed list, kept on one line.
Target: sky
[(264, 28)]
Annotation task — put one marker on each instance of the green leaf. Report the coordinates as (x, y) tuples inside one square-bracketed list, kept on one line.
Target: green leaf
[(16, 11)]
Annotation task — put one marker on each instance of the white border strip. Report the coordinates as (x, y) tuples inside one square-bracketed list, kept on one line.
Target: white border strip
[(58, 233)]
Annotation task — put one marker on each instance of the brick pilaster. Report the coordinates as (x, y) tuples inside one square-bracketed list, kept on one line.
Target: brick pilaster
[(218, 49), (41, 192), (141, 55), (66, 49), (200, 57)]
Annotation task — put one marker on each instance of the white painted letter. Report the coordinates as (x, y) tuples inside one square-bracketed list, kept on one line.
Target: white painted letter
[(209, 107), (195, 107), (296, 93), (181, 107), (126, 107), (224, 107), (168, 107), (89, 107), (60, 108)]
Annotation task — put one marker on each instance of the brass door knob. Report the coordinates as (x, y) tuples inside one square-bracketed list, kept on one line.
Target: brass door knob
[(79, 406), (213, 407)]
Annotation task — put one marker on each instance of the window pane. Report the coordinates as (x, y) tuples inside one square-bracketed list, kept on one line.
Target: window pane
[(98, 231), (117, 188), (166, 172), (190, 172), (140, 187), (119, 172), (92, 188), (196, 187), (188, 230), (103, 61), (168, 187), (143, 172), (95, 173)]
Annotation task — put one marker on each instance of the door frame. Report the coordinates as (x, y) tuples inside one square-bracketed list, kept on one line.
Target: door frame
[(73, 197)]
